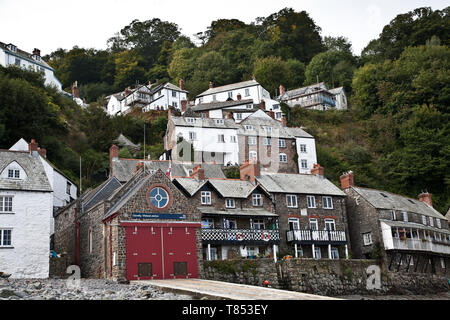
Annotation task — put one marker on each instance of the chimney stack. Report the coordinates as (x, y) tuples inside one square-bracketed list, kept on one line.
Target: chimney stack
[(33, 147), (184, 105), (37, 52), (284, 121), (139, 165), (282, 90), (262, 105), (426, 197), (149, 83), (181, 82), (211, 85), (347, 180), (249, 170), (239, 97), (75, 91), (113, 154), (318, 170), (198, 172), (272, 114)]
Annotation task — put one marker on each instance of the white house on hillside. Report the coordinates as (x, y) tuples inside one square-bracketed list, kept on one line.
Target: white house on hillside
[(240, 91), (11, 55), (168, 95), (64, 190), (26, 207)]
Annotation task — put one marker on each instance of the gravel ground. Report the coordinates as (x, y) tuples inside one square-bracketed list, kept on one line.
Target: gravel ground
[(437, 296), (89, 289)]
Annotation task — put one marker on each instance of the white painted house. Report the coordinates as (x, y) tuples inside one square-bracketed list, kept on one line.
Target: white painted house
[(26, 207), (11, 55), (243, 90), (147, 97), (64, 190)]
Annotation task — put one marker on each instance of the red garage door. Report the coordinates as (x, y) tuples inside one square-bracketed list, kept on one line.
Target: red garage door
[(161, 251)]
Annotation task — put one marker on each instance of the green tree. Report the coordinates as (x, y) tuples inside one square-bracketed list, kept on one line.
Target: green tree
[(270, 72)]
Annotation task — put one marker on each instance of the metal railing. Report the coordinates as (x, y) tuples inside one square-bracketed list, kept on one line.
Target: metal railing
[(316, 236), (240, 235)]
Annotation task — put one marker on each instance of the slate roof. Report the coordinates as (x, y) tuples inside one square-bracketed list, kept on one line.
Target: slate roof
[(124, 141), (259, 120), (25, 55), (36, 177), (335, 91), (393, 201), (238, 212), (298, 184), (190, 185), (123, 169), (205, 123), (220, 105), (232, 188), (101, 193), (301, 91), (229, 87)]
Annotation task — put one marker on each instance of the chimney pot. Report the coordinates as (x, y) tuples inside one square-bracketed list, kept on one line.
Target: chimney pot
[(249, 170), (37, 52), (426, 197), (318, 170), (347, 180), (75, 91), (181, 82), (43, 152)]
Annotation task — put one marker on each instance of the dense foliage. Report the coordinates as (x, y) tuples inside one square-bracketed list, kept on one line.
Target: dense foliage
[(395, 136)]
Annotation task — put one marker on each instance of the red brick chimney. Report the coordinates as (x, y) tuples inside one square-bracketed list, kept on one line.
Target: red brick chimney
[(184, 105), (139, 165), (282, 90), (239, 97), (211, 85), (426, 197), (127, 91), (347, 180), (198, 172), (113, 154), (262, 105), (75, 92), (318, 170), (284, 121), (272, 114), (249, 170), (181, 84), (43, 152), (33, 147)]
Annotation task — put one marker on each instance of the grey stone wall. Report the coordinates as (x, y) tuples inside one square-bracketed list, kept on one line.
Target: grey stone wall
[(322, 277)]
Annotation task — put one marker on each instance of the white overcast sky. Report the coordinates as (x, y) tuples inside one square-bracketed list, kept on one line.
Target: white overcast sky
[(52, 24)]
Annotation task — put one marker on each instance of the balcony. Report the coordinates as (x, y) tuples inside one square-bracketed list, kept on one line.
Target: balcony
[(420, 245), (240, 236), (324, 237)]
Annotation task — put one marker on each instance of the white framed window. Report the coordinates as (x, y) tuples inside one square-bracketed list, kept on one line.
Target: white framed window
[(249, 106), (230, 94), (438, 223), (334, 253), (367, 238), (230, 203), (203, 115), (258, 224), (214, 97), (175, 104), (5, 237), (253, 155), (304, 164), (405, 216), (278, 115), (294, 223), (192, 136), (311, 200), (291, 201), (6, 204), (252, 141), (206, 197), (330, 224), (233, 139), (221, 138), (219, 121), (231, 224), (238, 116), (68, 185), (267, 141), (281, 143), (313, 224), (424, 220), (283, 157), (247, 92), (317, 253), (174, 94), (303, 148), (207, 223), (393, 215), (257, 200), (190, 120), (248, 127), (268, 129), (327, 202), (431, 221)]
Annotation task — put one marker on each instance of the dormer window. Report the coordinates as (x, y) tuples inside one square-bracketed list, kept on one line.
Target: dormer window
[(13, 174), (12, 47), (14, 171)]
